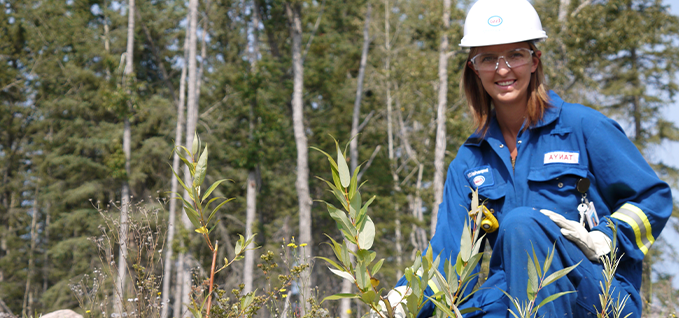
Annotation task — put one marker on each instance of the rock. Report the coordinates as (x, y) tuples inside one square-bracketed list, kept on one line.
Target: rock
[(64, 313)]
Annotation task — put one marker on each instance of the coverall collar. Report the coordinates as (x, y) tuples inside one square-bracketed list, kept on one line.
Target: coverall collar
[(551, 114)]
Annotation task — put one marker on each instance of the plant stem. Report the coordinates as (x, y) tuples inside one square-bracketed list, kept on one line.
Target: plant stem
[(212, 278)]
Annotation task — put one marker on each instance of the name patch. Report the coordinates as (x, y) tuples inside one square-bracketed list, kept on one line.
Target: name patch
[(480, 177), (562, 157)]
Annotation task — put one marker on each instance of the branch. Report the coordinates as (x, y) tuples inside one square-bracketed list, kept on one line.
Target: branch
[(370, 161), (452, 53), (366, 120), (580, 7), (311, 38)]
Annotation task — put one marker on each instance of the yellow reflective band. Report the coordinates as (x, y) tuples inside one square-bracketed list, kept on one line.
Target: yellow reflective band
[(434, 287), (637, 219)]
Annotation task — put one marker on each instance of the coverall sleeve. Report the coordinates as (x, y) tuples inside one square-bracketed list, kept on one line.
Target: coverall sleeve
[(449, 225), (640, 203)]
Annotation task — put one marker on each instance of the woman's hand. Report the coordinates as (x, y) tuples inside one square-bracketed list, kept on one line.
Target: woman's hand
[(594, 244)]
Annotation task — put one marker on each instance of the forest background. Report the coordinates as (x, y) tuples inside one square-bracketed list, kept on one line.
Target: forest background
[(94, 96)]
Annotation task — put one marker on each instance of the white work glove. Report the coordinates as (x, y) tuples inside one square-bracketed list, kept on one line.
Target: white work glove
[(594, 244), (396, 297)]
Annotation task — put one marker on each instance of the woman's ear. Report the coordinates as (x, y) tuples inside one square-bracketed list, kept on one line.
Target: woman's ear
[(536, 60), (471, 66)]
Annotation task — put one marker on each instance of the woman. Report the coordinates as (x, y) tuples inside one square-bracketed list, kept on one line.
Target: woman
[(532, 159)]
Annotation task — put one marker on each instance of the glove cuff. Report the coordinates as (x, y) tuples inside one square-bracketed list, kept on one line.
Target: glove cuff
[(601, 241)]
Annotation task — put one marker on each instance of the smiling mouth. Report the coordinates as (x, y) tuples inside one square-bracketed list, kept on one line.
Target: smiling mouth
[(506, 83)]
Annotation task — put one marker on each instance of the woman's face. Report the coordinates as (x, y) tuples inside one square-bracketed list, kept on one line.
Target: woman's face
[(507, 86)]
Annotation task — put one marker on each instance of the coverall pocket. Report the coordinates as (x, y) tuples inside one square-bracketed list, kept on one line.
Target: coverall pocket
[(493, 197), (553, 187)]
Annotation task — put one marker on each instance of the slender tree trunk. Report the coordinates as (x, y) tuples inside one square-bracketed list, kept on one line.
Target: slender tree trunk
[(440, 148), (251, 195), (28, 296), (191, 121), (45, 267), (390, 140), (293, 11), (564, 5), (347, 286), (125, 192), (353, 145), (167, 271)]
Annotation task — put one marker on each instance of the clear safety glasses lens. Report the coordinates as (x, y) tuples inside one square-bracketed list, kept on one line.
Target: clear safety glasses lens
[(513, 58)]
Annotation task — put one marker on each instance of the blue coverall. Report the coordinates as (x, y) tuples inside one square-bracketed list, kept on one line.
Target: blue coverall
[(570, 142)]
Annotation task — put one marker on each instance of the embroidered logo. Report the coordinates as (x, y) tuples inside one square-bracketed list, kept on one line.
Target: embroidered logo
[(479, 180), (562, 157), (480, 177)]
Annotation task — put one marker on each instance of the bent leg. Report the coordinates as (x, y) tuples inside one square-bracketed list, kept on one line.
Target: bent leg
[(524, 230)]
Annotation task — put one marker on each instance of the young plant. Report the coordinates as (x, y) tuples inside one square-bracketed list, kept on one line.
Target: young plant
[(196, 208), (538, 279), (356, 227), (458, 276), (611, 263)]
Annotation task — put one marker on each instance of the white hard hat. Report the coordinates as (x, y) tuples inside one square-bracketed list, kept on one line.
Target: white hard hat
[(491, 22)]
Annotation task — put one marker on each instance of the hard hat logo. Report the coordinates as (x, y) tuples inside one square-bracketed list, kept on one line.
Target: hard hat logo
[(495, 20)]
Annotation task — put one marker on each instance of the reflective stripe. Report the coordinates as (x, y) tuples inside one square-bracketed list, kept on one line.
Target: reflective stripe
[(434, 287), (636, 218)]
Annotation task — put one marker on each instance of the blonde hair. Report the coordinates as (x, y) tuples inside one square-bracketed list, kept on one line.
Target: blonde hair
[(478, 99)]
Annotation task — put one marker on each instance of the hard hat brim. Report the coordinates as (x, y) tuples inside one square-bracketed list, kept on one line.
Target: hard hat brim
[(476, 40)]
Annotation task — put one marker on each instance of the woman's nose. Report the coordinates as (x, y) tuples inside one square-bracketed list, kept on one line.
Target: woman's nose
[(502, 66)]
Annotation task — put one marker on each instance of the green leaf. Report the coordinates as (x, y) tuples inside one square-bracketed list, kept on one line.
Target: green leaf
[(370, 297), (180, 181), (361, 218), (468, 310), (212, 188), (339, 195), (332, 161), (452, 276), (354, 183), (465, 243), (533, 280), (442, 307), (337, 249), (377, 267), (551, 298), (194, 145), (362, 278), (355, 205), (196, 313), (335, 176), (341, 219), (190, 212), (345, 256), (239, 245), (367, 235), (331, 262), (535, 261), (213, 227), (217, 208), (342, 168), (558, 274), (201, 169), (459, 264), (343, 274), (340, 296), (548, 260)]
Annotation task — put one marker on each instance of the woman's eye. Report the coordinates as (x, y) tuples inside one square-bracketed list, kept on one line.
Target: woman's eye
[(488, 59)]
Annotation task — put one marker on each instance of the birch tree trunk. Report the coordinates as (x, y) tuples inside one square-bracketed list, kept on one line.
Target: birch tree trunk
[(345, 303), (251, 194), (167, 271), (191, 121), (293, 11), (125, 192), (440, 148)]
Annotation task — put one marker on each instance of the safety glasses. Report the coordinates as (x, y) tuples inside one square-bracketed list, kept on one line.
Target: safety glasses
[(490, 61)]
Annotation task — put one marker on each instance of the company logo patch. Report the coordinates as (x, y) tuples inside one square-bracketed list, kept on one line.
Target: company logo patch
[(562, 157), (480, 177), (479, 180), (495, 20)]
